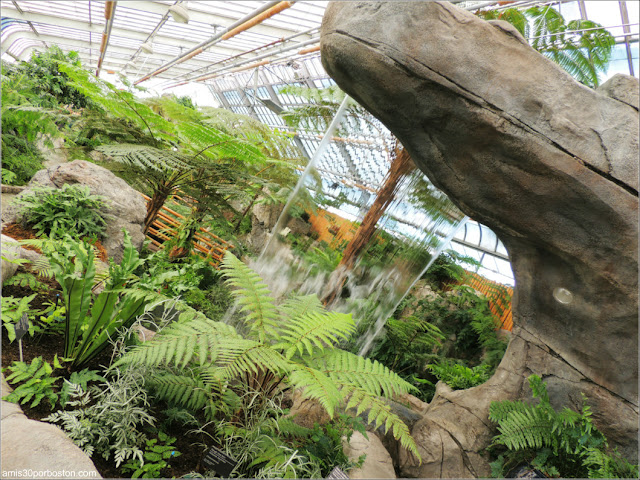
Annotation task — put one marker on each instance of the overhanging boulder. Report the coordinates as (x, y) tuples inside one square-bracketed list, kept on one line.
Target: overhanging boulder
[(550, 165)]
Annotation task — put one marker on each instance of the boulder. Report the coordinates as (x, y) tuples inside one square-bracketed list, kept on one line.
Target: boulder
[(125, 206), (550, 165), (10, 253), (377, 464), (39, 449), (307, 411)]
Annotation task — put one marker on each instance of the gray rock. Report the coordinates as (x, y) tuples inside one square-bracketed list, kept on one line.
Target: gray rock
[(40, 448), (623, 88), (378, 463), (125, 206), (550, 165), (10, 251)]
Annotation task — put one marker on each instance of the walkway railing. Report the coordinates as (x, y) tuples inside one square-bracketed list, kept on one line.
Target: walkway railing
[(498, 295), (205, 243)]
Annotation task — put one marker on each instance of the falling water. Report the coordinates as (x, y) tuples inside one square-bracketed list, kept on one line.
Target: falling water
[(415, 228)]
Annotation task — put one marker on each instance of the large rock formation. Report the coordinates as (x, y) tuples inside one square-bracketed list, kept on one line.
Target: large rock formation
[(550, 165), (125, 208)]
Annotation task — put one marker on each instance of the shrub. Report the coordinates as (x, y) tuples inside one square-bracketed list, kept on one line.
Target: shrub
[(70, 210)]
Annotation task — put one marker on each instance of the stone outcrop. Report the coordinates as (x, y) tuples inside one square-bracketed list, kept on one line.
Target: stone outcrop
[(32, 449), (12, 250), (125, 206), (551, 166), (377, 464)]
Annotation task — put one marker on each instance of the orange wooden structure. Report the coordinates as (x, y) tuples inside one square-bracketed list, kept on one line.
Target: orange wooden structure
[(499, 297), (205, 243), (331, 227)]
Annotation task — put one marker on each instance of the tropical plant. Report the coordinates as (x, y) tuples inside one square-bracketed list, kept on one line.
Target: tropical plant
[(156, 453), (107, 419), (459, 376), (564, 443), (70, 210), (12, 311), (581, 47), (290, 345), (38, 382), (91, 320)]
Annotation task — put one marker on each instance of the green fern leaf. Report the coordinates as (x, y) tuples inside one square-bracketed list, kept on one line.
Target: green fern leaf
[(315, 330), (345, 368), (254, 296), (316, 385)]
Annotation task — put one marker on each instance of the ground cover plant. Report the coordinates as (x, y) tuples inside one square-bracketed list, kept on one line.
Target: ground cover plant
[(562, 443), (70, 210)]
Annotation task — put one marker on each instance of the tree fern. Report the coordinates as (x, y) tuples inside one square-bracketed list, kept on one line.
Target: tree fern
[(314, 330), (189, 391), (345, 369), (281, 349), (379, 414), (254, 296)]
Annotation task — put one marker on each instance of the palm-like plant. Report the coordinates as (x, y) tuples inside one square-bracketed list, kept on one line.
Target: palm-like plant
[(581, 47), (291, 345)]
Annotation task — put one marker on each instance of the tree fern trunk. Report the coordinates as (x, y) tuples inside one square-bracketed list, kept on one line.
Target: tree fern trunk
[(401, 164), (154, 206)]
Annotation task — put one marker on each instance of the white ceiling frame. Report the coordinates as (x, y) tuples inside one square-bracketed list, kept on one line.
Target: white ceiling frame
[(81, 43), (208, 18), (116, 31)]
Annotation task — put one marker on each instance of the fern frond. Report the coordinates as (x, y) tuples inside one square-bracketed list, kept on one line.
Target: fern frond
[(182, 342), (300, 305), (286, 427), (345, 369), (182, 390), (249, 356), (379, 414), (315, 330), (498, 411), (529, 428), (254, 296), (316, 385)]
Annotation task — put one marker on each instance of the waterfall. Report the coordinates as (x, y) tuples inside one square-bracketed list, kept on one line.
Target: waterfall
[(415, 228)]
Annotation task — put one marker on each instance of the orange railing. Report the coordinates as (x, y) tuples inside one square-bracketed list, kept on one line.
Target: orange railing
[(205, 243), (498, 295)]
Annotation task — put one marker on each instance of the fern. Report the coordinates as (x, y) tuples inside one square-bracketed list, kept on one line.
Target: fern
[(315, 330), (254, 296), (181, 389), (345, 369), (564, 443), (281, 349), (379, 414)]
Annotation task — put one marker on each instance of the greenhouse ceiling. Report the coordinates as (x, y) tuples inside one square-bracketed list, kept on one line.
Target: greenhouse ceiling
[(239, 54)]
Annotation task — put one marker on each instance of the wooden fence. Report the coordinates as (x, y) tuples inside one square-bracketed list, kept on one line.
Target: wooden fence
[(499, 297), (205, 243)]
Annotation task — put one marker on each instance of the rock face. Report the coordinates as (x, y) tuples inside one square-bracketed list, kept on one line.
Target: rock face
[(40, 448), (377, 464), (550, 165), (126, 207)]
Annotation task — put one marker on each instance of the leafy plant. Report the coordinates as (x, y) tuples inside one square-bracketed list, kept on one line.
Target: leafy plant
[(38, 382), (459, 376), (108, 419), (91, 320), (81, 379), (292, 344), (564, 443), (70, 210), (12, 311), (156, 453)]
